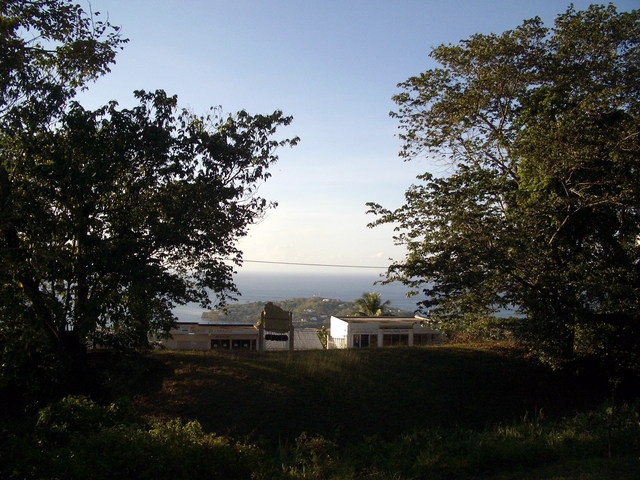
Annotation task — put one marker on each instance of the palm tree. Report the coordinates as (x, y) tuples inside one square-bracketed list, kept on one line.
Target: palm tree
[(371, 305)]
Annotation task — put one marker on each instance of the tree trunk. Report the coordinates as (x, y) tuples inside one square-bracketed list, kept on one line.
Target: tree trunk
[(20, 258)]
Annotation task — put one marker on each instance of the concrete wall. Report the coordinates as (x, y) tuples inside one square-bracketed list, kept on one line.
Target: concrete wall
[(381, 333)]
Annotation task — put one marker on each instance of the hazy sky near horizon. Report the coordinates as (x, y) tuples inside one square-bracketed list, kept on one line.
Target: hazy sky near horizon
[(334, 66)]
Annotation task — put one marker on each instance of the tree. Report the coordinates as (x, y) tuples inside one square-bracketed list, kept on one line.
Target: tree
[(371, 305), (323, 336), (122, 214), (50, 49), (540, 212), (110, 218)]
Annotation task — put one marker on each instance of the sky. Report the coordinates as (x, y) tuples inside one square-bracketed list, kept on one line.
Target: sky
[(334, 66)]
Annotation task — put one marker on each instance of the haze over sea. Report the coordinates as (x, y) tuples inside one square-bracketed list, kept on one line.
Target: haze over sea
[(275, 286)]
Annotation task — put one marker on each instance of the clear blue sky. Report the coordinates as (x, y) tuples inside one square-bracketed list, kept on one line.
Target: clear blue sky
[(333, 65)]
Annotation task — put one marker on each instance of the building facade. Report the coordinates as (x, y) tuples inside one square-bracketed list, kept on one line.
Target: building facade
[(367, 332), (207, 336)]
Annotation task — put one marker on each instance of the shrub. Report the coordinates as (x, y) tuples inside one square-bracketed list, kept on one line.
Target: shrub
[(31, 373), (78, 439), (312, 457)]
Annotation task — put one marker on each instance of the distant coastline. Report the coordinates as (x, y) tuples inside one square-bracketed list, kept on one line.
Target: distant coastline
[(275, 287), (306, 312)]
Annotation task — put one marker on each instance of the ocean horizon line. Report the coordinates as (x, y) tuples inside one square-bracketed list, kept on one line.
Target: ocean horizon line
[(279, 286)]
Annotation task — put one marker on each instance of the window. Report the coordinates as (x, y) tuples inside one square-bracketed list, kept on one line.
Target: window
[(235, 344), (243, 345), (395, 340), (276, 338), (219, 344), (365, 340), (423, 339)]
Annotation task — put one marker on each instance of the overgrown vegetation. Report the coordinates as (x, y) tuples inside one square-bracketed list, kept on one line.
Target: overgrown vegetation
[(539, 211), (403, 413), (76, 438), (344, 394), (109, 218)]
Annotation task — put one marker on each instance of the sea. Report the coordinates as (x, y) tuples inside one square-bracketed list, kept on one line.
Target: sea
[(275, 286)]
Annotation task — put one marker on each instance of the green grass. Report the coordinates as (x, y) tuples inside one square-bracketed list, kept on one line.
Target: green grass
[(349, 394), (466, 411), (449, 412)]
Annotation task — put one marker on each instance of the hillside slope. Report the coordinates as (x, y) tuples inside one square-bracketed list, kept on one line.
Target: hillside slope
[(350, 394), (311, 311)]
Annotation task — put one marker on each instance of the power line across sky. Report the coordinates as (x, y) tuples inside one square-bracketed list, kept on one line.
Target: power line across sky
[(315, 264)]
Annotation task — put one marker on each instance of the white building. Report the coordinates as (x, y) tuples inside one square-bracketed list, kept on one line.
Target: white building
[(364, 332)]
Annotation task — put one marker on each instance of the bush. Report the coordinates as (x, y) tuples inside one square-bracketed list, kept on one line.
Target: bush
[(312, 457), (71, 417), (31, 373), (78, 439)]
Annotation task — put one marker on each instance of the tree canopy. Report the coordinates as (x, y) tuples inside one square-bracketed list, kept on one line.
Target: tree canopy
[(371, 305), (50, 49), (539, 211), (110, 218)]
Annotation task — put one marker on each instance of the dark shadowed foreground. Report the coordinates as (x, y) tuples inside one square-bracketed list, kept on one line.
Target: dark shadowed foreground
[(350, 394), (464, 412)]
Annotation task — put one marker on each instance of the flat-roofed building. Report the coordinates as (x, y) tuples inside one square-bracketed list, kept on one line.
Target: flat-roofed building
[(366, 332), (208, 336)]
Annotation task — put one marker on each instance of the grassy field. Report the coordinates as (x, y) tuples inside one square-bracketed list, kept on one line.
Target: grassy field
[(466, 411), (348, 394), (446, 412)]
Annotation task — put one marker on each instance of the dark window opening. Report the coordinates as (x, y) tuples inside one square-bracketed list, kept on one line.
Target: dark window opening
[(395, 340)]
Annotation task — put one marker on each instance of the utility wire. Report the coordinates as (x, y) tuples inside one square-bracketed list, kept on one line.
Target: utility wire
[(314, 264)]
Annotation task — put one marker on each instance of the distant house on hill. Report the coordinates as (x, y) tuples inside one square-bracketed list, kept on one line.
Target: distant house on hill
[(364, 332), (208, 336), (215, 336)]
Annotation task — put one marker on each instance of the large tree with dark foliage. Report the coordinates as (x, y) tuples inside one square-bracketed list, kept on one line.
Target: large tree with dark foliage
[(110, 218), (540, 208)]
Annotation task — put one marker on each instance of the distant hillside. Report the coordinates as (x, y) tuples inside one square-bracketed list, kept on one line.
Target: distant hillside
[(312, 311)]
